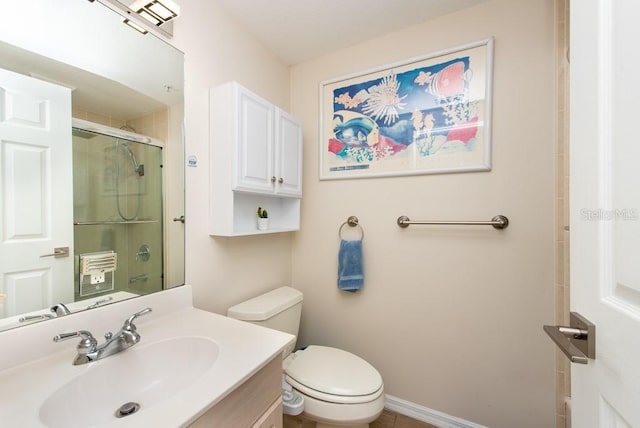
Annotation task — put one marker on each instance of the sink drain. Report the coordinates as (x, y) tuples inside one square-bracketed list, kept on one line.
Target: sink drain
[(127, 409)]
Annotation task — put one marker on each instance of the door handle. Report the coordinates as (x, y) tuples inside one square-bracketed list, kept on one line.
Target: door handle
[(58, 252), (180, 219), (578, 341)]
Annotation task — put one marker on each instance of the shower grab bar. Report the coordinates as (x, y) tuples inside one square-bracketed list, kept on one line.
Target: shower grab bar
[(100, 302), (499, 222), (138, 278), (94, 223)]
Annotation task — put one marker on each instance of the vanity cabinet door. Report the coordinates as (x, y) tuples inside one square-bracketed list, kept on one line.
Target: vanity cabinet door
[(254, 143), (288, 161), (272, 418), (255, 403)]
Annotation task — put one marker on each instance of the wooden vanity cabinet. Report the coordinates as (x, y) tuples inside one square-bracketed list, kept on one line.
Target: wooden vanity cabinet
[(257, 403)]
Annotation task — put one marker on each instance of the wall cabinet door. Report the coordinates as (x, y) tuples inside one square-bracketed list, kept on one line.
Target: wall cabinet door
[(254, 144), (288, 160), (268, 148)]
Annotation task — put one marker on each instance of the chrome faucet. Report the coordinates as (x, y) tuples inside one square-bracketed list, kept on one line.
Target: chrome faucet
[(88, 348), (60, 309)]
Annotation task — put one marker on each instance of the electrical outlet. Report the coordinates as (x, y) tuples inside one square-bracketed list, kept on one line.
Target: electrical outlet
[(97, 278)]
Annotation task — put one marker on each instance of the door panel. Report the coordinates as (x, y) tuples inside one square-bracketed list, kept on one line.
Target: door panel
[(36, 206), (605, 223), (25, 193), (28, 290)]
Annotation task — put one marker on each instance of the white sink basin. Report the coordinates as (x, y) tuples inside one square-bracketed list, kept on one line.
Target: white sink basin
[(140, 375), (187, 361)]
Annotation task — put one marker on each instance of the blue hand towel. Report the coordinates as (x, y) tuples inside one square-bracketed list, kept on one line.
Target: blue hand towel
[(350, 272)]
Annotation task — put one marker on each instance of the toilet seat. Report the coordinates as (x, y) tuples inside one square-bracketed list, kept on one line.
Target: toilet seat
[(333, 375)]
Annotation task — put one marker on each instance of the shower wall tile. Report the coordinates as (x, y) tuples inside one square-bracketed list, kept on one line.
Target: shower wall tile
[(154, 124)]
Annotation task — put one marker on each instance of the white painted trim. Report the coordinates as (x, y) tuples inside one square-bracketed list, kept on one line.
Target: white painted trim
[(424, 414)]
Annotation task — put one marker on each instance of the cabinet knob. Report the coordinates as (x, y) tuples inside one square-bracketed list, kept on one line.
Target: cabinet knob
[(273, 179), (281, 180)]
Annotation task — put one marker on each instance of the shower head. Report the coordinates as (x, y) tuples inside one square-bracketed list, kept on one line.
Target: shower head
[(138, 168)]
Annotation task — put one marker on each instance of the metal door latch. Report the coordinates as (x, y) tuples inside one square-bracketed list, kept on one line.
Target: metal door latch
[(578, 341), (58, 252)]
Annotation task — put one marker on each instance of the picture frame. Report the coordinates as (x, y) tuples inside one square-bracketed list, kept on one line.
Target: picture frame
[(425, 115)]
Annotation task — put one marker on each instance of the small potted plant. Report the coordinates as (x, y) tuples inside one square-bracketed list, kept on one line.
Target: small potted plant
[(263, 219)]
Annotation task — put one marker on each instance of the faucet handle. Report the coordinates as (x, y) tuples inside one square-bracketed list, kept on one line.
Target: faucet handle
[(87, 343), (128, 324)]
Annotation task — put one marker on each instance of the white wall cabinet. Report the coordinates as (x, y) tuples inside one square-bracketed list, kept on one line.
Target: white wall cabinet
[(256, 160)]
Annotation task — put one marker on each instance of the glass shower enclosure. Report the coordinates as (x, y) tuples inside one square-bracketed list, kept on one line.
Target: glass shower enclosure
[(118, 210)]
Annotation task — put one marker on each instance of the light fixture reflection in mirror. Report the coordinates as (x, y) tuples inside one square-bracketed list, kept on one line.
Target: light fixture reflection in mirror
[(135, 26), (145, 15), (104, 94), (155, 11)]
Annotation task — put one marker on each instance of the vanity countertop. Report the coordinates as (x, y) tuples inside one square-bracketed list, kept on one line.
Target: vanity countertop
[(38, 367)]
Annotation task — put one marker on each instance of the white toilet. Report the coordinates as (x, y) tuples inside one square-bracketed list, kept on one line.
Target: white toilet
[(339, 388)]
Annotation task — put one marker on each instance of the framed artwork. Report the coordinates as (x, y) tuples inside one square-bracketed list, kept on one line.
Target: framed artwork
[(426, 115)]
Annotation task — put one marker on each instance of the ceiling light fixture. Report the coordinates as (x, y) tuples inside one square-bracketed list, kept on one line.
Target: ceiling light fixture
[(157, 12)]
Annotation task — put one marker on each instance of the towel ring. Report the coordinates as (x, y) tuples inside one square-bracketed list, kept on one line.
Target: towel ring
[(352, 221)]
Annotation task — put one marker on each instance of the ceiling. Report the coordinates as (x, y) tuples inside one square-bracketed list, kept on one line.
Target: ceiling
[(298, 30), (90, 92)]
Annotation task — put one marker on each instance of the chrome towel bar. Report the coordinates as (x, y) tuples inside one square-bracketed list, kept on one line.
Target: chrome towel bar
[(499, 222)]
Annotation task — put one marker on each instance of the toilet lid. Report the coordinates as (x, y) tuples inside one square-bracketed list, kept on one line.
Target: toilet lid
[(334, 372)]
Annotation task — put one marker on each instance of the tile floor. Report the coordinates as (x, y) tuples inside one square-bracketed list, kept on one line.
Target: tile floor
[(387, 419)]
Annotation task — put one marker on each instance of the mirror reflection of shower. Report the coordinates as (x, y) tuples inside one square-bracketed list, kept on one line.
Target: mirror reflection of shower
[(118, 209), (121, 174)]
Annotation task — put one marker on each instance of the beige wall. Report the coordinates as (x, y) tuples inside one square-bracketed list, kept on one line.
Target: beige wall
[(224, 271), (451, 316)]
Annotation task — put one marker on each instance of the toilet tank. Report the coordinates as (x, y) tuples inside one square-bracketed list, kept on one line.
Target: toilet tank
[(279, 309)]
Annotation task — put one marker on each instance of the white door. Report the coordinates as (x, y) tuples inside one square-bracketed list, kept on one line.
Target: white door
[(36, 205), (288, 155), (605, 208)]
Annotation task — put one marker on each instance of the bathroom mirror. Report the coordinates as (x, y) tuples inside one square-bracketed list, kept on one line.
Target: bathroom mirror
[(127, 90)]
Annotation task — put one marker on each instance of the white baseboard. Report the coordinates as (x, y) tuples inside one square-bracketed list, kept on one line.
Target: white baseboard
[(424, 414)]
